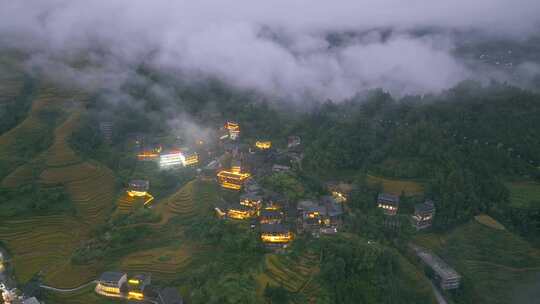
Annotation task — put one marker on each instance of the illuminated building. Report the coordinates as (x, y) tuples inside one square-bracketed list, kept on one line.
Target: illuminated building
[(110, 284), (323, 217), (339, 197), (232, 180), (251, 200), (234, 129), (423, 215), (241, 212), (263, 145), (171, 159), (270, 216), (275, 234), (149, 154), (389, 203), (236, 166), (191, 159), (340, 190), (136, 286), (138, 188)]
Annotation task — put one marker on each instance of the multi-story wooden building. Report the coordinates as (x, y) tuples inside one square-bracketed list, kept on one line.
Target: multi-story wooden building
[(423, 215), (389, 203)]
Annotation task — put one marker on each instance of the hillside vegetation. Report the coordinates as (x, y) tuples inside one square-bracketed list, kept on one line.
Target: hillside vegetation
[(493, 262)]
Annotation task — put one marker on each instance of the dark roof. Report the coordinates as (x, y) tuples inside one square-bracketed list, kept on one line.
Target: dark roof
[(251, 196), (426, 206), (316, 208), (273, 228), (388, 198), (139, 183), (170, 295), (270, 213), (332, 207), (111, 276)]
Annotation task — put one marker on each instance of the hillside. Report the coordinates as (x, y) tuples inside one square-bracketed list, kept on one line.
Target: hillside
[(90, 187), (495, 263)]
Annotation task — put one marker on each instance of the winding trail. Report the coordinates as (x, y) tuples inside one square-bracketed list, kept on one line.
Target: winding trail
[(68, 289)]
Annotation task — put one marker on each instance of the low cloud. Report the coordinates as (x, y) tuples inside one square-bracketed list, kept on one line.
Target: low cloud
[(290, 49)]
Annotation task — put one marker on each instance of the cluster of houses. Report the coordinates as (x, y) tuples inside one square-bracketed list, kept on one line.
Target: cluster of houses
[(421, 218), (136, 288), (138, 189), (170, 157), (9, 294), (266, 211), (443, 275)]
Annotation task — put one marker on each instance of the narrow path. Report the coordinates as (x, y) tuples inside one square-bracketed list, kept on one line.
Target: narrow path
[(438, 295), (509, 268), (67, 289)]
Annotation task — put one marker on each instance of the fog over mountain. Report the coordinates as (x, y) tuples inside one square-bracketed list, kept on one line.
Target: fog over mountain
[(292, 49)]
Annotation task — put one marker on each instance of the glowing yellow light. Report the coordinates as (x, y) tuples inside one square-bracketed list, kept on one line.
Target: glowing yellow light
[(147, 155), (251, 203), (276, 238), (192, 160), (340, 198), (135, 295), (232, 180), (133, 193), (134, 281), (108, 291), (263, 145), (239, 214)]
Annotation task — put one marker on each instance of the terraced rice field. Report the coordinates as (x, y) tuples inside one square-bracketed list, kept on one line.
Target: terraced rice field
[(33, 126), (524, 194), (398, 186), (163, 263), (295, 276), (45, 244), (39, 244), (191, 200), (493, 262)]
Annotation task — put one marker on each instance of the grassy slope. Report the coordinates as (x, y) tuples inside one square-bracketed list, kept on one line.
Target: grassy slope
[(295, 276), (396, 187), (523, 193), (45, 244), (33, 127), (493, 262)]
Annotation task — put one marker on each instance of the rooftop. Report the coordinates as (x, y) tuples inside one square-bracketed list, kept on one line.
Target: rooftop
[(111, 276), (273, 228), (388, 198), (437, 264), (270, 213), (426, 206)]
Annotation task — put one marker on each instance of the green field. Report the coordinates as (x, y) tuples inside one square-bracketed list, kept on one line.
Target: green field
[(397, 186), (296, 276), (524, 194), (493, 262)]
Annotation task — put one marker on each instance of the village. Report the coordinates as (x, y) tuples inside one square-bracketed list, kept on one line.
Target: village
[(239, 169)]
